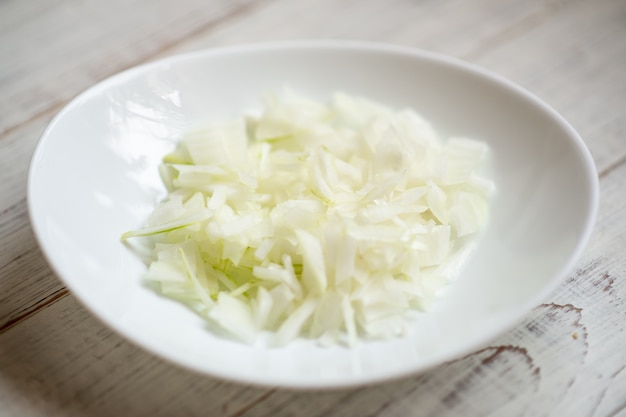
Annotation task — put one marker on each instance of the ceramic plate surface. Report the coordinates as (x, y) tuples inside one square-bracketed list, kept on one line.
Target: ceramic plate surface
[(94, 176)]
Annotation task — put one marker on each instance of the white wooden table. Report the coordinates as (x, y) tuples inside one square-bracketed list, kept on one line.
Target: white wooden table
[(567, 358)]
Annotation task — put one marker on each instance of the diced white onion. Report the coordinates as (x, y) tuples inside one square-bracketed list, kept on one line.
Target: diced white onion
[(314, 220)]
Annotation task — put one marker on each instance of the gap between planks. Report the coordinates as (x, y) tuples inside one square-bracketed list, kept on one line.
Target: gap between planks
[(612, 167), (526, 24), (28, 312)]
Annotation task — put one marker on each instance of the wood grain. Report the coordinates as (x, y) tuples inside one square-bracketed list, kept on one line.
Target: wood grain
[(26, 281)]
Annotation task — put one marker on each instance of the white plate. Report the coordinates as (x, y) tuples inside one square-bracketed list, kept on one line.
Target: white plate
[(93, 176)]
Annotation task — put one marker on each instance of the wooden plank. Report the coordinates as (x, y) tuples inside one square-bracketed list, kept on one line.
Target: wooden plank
[(51, 52), (598, 289)]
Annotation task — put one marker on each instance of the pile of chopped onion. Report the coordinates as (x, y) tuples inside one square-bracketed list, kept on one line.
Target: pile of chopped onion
[(325, 221)]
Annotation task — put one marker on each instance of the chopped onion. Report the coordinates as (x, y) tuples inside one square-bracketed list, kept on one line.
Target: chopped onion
[(325, 221)]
